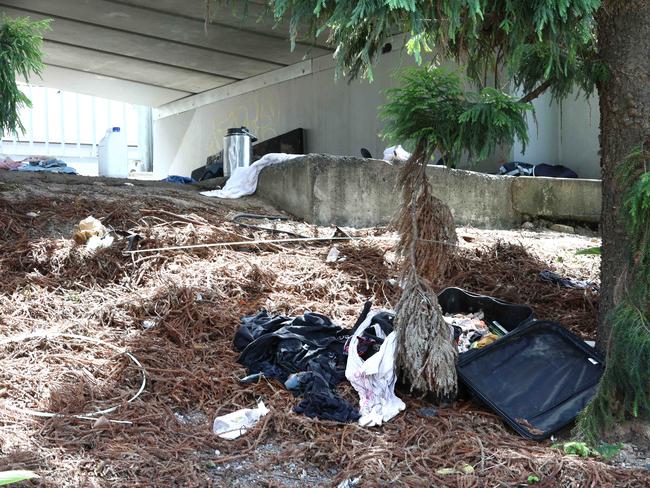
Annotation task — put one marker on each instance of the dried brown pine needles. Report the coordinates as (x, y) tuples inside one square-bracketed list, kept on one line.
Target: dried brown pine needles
[(177, 313)]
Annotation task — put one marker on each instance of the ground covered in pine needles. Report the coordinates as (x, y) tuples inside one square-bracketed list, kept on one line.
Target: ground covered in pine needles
[(176, 312)]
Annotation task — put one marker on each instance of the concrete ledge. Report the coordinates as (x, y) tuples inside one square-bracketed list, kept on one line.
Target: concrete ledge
[(324, 190), (558, 198)]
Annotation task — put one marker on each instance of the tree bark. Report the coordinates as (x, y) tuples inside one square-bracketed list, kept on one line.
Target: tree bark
[(624, 45)]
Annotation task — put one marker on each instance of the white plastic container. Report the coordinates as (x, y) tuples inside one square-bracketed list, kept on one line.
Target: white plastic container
[(113, 154)]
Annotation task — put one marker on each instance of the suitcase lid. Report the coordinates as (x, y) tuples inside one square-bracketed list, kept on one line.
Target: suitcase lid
[(537, 378)]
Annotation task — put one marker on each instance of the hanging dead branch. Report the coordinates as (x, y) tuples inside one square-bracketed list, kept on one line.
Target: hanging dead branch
[(426, 356)]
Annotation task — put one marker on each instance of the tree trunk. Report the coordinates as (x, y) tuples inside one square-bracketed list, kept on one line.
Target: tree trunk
[(624, 43)]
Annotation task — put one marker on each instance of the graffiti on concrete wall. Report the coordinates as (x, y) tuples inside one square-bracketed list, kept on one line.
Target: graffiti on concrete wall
[(261, 116)]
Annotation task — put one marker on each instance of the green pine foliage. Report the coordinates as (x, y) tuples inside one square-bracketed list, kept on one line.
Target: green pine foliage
[(492, 118), (624, 390), (543, 44), (426, 106), (431, 105), (20, 55)]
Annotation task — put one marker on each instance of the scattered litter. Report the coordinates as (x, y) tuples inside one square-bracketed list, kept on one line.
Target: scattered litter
[(237, 423), (466, 469), (148, 324), (333, 255), (338, 232), (128, 184), (251, 378), (350, 483), (181, 180), (499, 329), (551, 277), (485, 341), (96, 242), (101, 423), (609, 451), (132, 241), (590, 251), (32, 214), (374, 378), (467, 329), (92, 232), (396, 154), (88, 228)]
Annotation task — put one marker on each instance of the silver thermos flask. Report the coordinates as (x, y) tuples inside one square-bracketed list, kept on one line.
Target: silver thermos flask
[(237, 149)]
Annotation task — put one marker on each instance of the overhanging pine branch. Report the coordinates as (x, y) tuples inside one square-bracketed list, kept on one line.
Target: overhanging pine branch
[(536, 92)]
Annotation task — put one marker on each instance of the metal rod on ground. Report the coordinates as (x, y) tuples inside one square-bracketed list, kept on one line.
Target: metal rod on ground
[(244, 243), (275, 241), (235, 219)]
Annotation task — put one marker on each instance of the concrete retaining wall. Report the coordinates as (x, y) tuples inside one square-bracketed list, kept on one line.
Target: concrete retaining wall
[(338, 117), (326, 190)]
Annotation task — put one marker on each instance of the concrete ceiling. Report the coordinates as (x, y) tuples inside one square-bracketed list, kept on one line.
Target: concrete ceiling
[(152, 52)]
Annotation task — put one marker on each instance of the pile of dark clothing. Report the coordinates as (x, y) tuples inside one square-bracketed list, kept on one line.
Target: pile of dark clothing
[(517, 168), (213, 168), (182, 180), (308, 354), (556, 279)]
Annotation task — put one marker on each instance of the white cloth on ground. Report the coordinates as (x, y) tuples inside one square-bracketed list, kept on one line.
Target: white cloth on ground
[(375, 378), (243, 180)]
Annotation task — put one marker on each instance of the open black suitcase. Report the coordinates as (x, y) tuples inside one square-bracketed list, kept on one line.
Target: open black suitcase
[(537, 377)]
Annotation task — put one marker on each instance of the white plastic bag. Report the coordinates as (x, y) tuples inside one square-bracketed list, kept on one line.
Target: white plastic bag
[(396, 153), (375, 378), (235, 424)]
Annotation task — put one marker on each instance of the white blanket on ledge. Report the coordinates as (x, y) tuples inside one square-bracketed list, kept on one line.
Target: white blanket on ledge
[(243, 181)]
